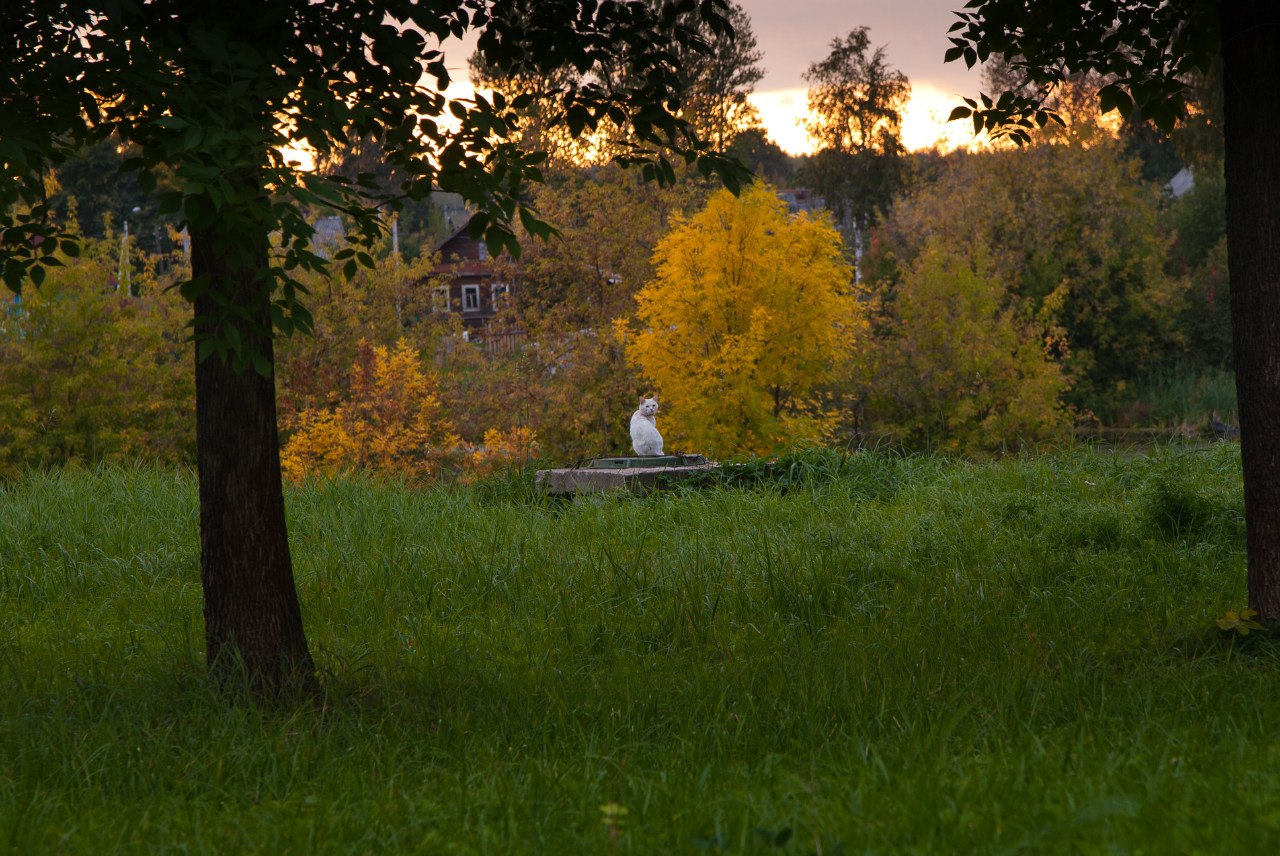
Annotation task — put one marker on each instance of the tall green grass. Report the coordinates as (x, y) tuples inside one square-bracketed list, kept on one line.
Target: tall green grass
[(1181, 394), (890, 655)]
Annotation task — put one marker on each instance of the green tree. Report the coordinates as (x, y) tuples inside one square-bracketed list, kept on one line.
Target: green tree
[(90, 372), (751, 312), (1154, 49), (92, 181), (1072, 230), (960, 364), (215, 93), (856, 100), (1198, 222), (767, 160), (534, 125), (419, 223)]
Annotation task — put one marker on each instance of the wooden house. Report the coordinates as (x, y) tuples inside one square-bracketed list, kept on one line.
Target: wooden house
[(477, 286)]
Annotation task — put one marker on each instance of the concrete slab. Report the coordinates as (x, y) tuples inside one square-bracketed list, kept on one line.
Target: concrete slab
[(581, 480)]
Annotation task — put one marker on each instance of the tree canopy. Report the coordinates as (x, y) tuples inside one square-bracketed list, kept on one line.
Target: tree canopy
[(1073, 231), (220, 92), (1149, 51)]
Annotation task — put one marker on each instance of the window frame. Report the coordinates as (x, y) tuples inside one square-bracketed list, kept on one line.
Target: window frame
[(471, 298)]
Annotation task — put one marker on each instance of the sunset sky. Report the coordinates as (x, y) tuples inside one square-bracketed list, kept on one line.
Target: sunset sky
[(795, 33)]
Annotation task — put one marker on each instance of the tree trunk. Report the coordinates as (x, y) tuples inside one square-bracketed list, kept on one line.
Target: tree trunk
[(253, 625), (1251, 92)]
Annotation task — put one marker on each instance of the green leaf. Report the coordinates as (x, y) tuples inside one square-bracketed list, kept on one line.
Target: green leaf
[(578, 118), (280, 320), (302, 319), (260, 364), (1112, 97), (205, 349), (13, 278), (478, 224), (530, 223), (959, 113), (231, 333)]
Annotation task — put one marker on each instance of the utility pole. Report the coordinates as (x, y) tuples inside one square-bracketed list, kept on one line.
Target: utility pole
[(122, 270)]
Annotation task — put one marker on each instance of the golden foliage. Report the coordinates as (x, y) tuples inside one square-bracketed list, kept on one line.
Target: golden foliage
[(392, 421), (501, 449), (381, 306), (570, 381), (752, 310)]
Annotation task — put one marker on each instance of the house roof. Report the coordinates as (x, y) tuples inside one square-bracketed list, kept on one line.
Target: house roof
[(1181, 184)]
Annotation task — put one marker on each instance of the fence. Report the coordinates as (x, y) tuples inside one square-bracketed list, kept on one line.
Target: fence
[(500, 341)]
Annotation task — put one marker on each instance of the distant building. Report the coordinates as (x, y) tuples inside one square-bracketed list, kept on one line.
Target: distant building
[(474, 288), (329, 236), (452, 208), (1181, 184), (801, 199)]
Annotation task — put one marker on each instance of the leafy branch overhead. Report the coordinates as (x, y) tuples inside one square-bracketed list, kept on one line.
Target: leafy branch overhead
[(1147, 49), (216, 94)]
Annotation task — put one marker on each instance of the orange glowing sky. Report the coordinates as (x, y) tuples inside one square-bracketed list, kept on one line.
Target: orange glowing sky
[(783, 112), (795, 33)]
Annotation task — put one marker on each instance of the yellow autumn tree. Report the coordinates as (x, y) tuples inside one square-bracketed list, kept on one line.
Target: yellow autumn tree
[(393, 421), (751, 312)]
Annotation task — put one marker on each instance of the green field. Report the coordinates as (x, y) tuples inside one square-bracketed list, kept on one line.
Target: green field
[(872, 655)]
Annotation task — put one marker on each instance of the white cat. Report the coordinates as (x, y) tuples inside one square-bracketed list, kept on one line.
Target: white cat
[(645, 438)]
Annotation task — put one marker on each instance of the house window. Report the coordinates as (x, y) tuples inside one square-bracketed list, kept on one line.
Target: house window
[(499, 292), (470, 298), (440, 298), (483, 250)]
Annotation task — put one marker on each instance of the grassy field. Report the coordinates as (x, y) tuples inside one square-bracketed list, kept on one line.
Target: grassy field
[(879, 655)]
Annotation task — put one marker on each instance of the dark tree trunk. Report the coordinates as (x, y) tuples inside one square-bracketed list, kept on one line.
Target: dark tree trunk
[(1251, 91), (253, 625)]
